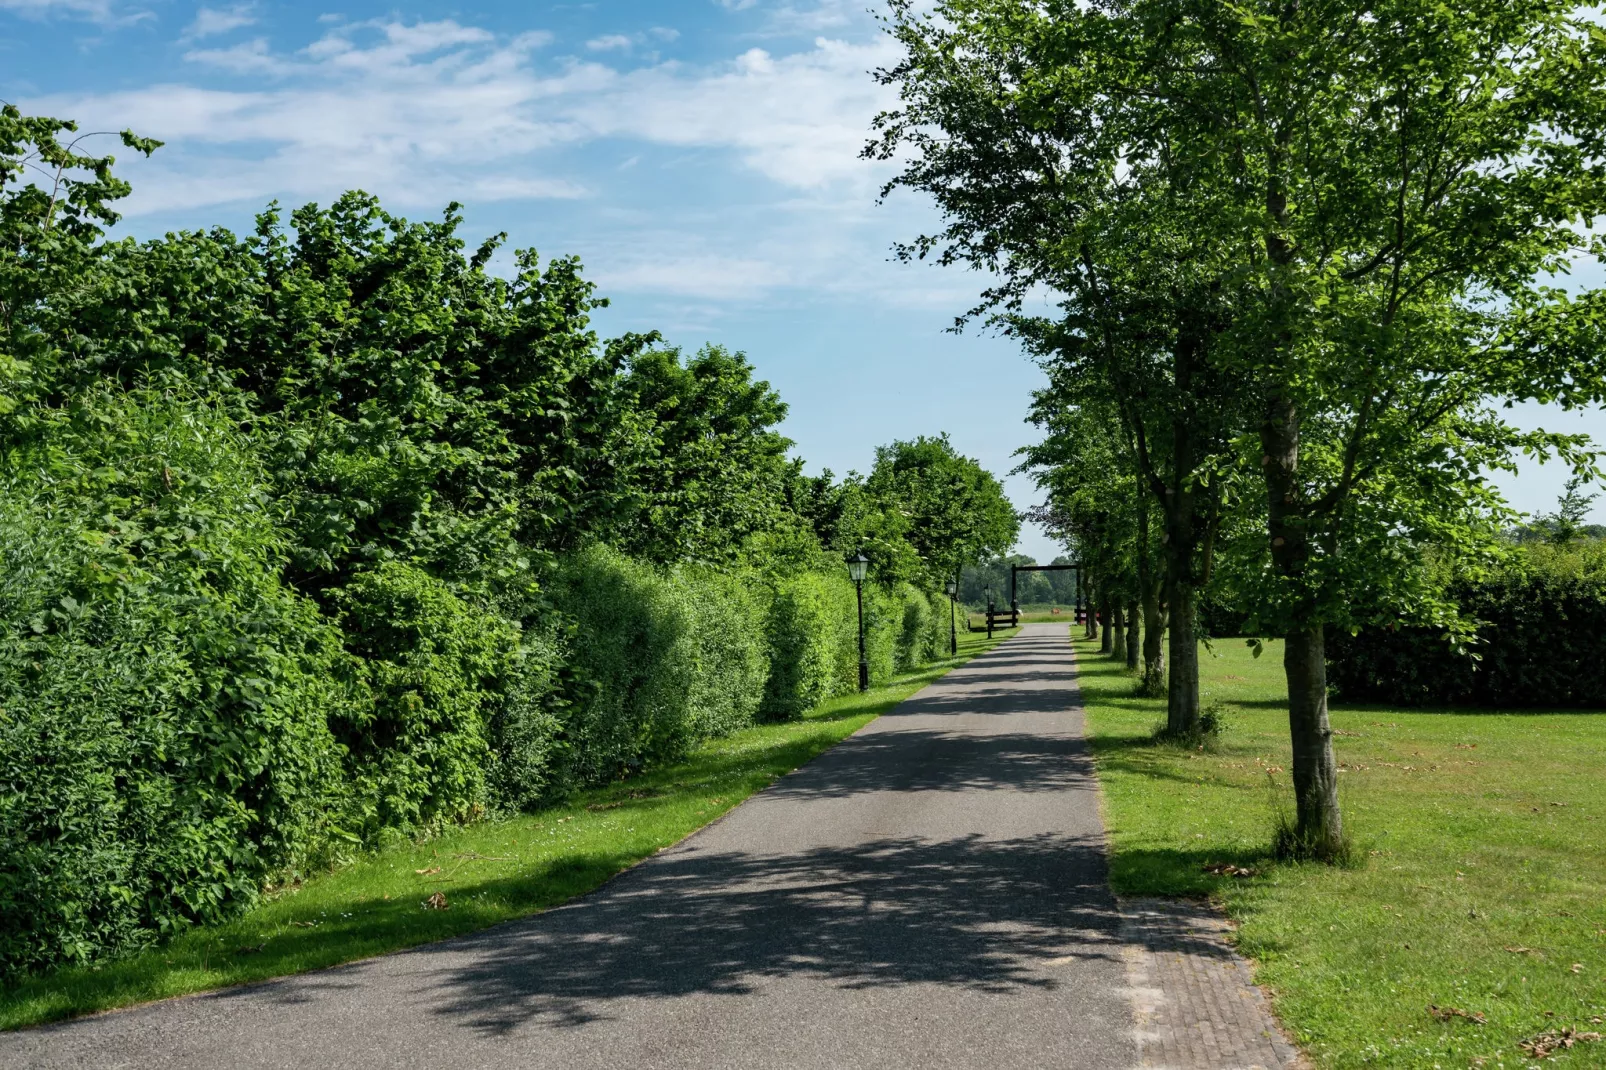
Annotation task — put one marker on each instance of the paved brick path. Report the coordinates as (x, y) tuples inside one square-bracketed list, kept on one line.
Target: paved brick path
[(930, 893), (1195, 1004)]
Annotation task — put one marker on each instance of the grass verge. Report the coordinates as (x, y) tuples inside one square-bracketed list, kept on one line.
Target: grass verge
[(1480, 884), (488, 873)]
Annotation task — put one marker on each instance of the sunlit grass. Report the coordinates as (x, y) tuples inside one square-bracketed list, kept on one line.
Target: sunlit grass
[(488, 873), (1481, 885)]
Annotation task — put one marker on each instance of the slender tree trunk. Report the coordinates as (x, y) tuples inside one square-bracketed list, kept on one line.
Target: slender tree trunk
[(1320, 826), (1118, 631), (1182, 537), (1320, 831), (1107, 640), (1133, 645), (1182, 697), (1153, 622)]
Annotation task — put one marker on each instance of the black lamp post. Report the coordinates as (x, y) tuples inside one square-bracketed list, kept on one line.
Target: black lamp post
[(858, 565), (953, 629)]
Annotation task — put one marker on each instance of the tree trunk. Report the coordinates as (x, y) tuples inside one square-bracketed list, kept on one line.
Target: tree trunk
[(1320, 832), (1107, 640), (1182, 538), (1182, 697), (1153, 623), (1320, 826), (1133, 646), (1118, 632)]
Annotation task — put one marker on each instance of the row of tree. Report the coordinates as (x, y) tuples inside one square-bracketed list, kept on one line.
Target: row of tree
[(1302, 250)]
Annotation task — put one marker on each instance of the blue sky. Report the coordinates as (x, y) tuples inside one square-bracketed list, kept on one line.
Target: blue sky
[(700, 156)]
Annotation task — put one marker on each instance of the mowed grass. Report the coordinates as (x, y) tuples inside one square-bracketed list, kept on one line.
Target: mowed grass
[(488, 873), (1479, 885)]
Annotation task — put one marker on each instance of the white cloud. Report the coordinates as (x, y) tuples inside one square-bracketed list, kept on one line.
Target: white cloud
[(610, 42), (424, 112), (708, 276), (95, 10), (212, 21)]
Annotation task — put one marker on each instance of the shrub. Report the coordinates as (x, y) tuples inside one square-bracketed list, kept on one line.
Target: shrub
[(1537, 644), (435, 665), (163, 744), (914, 636), (728, 617), (806, 642), (526, 729), (883, 626), (634, 657)]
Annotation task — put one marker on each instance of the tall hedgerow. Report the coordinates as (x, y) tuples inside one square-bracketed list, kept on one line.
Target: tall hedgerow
[(164, 700)]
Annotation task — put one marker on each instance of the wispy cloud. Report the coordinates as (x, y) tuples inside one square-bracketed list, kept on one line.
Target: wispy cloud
[(213, 21), (424, 112), (610, 42), (103, 11)]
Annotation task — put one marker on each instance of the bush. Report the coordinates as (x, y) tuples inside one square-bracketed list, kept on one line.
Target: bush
[(808, 636), (634, 655), (435, 666), (728, 617), (526, 729), (914, 636), (1538, 644), (163, 744), (883, 627)]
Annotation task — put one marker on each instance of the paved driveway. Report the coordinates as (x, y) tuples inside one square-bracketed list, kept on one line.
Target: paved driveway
[(929, 893)]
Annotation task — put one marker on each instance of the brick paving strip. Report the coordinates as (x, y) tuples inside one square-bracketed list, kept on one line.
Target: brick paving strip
[(1194, 999)]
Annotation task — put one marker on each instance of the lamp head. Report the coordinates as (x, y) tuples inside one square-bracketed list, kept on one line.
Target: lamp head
[(858, 565)]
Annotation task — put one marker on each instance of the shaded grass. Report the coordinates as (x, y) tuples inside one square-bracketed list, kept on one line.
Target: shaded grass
[(1477, 832), (490, 872)]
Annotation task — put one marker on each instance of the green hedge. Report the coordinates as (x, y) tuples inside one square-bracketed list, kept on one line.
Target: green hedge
[(164, 701), (1541, 643), (178, 728)]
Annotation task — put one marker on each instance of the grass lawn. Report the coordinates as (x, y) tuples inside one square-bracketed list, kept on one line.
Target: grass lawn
[(488, 873), (1480, 883)]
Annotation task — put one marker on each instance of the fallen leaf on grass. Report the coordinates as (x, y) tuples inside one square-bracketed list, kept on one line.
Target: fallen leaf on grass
[(1551, 1041), (1578, 967), (1227, 869), (1444, 1014), (428, 871), (437, 902), (1518, 949)]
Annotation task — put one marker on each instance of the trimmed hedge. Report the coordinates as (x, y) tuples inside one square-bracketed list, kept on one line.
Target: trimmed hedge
[(178, 729), (1540, 644)]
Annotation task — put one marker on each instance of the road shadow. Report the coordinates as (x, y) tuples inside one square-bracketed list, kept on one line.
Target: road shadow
[(980, 914)]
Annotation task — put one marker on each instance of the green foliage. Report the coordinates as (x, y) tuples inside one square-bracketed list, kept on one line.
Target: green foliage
[(1535, 641), (434, 664), (327, 535), (163, 699), (728, 614), (526, 730), (914, 644), (810, 637), (634, 653)]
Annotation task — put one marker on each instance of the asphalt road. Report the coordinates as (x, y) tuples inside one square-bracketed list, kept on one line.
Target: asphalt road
[(929, 893)]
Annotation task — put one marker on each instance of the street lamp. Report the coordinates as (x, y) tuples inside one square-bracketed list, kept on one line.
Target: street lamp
[(858, 565), (953, 629)]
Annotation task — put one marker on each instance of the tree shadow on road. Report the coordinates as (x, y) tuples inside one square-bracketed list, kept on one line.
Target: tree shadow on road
[(987, 915)]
